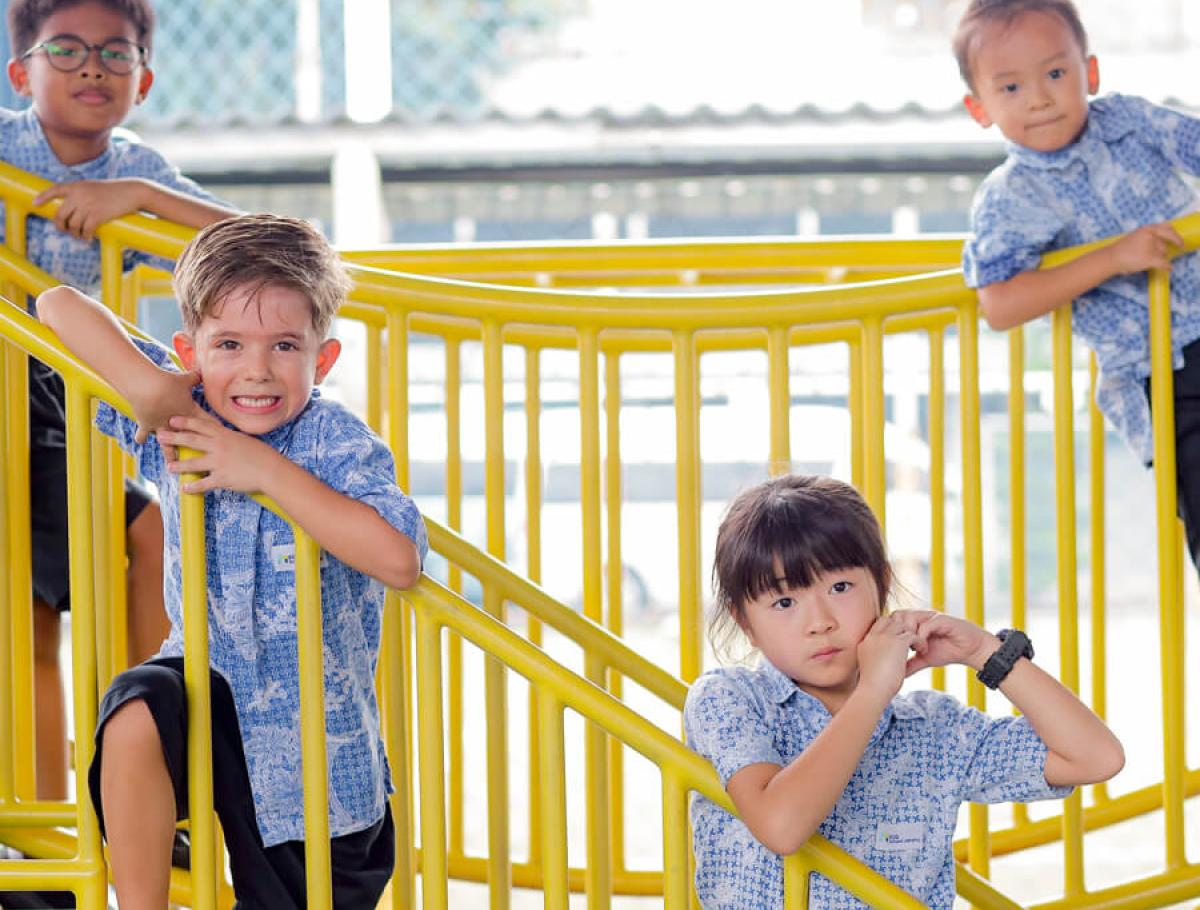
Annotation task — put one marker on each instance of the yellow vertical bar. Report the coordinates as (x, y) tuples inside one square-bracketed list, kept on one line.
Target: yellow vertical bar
[(797, 871), (687, 497), (1171, 624), (499, 866), (553, 786), (374, 378), (1098, 560), (199, 700), (856, 405), (397, 329), (874, 459), (1016, 496), (19, 582), (598, 875), (676, 848), (937, 480), (781, 400), (1068, 597), (615, 617), (397, 672), (83, 632), (978, 840), (9, 454), (434, 869), (533, 538), (101, 543), (454, 505), (318, 868)]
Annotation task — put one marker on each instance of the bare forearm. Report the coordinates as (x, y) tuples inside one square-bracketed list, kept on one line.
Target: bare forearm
[(1082, 750), (349, 530), (93, 334), (180, 207), (1011, 303), (785, 809)]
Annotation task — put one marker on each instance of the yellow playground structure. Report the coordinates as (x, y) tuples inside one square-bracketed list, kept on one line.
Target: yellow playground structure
[(534, 744)]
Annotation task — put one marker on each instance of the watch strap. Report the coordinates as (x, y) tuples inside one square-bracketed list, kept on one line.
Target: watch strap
[(1014, 644)]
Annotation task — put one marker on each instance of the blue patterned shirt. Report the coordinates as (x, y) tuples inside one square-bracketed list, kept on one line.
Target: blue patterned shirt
[(928, 754), (71, 260), (252, 614), (1122, 173)]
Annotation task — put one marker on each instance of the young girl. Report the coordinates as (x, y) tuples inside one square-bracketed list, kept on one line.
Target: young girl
[(816, 739), (1076, 172)]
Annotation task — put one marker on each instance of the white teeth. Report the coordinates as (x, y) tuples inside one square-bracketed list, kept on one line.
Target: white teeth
[(255, 402)]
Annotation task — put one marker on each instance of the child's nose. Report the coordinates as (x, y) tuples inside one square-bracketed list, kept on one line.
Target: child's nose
[(821, 620)]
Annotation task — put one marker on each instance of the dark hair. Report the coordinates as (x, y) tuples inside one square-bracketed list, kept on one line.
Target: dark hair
[(982, 13), (795, 527), (26, 17), (264, 251)]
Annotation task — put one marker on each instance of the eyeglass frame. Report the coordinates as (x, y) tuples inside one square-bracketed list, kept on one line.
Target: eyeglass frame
[(99, 48)]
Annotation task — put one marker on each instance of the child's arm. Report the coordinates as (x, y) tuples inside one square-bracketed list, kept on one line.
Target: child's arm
[(87, 204), (783, 807), (1081, 748), (94, 335), (350, 530), (1007, 304)]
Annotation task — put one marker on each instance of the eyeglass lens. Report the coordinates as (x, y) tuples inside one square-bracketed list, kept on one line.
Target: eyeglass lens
[(69, 52)]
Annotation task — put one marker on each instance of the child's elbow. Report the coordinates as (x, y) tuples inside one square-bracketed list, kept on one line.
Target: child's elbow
[(404, 569), (782, 837), (1110, 760), (993, 311)]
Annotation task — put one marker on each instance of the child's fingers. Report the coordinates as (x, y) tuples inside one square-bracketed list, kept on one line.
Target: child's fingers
[(53, 192), (915, 664)]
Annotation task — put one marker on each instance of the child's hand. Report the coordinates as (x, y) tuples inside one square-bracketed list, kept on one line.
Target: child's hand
[(231, 460), (87, 204), (883, 654), (171, 398), (1149, 247), (939, 640)]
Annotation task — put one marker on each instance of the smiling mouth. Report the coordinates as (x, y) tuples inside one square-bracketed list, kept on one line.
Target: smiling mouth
[(256, 403)]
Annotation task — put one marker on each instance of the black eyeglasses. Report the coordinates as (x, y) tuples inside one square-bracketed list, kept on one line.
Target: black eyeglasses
[(67, 53)]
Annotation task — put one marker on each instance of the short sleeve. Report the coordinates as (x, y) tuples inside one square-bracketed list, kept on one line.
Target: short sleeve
[(726, 723), (112, 422), (1003, 759), (356, 462), (1013, 224), (1175, 135)]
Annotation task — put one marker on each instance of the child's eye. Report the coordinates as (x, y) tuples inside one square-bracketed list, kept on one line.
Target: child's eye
[(841, 587), (227, 345), (783, 603), (1008, 88), (1057, 73), (286, 346), (67, 52)]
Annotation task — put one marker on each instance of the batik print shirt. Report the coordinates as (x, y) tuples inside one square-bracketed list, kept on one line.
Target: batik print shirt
[(252, 614), (73, 261), (927, 755), (1122, 173)]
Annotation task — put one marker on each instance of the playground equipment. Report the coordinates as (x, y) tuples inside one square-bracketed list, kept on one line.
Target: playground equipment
[(507, 312)]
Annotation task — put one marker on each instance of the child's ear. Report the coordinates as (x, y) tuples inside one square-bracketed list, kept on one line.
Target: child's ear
[(18, 77), (144, 82), (185, 347), (975, 109), (1093, 75), (327, 356)]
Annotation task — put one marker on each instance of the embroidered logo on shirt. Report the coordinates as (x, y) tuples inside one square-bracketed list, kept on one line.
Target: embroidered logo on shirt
[(899, 837), (283, 557)]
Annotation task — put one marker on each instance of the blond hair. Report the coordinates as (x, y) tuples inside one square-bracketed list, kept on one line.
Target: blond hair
[(262, 251)]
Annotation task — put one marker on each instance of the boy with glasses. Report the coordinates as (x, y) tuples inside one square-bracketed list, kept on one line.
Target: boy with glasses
[(84, 65)]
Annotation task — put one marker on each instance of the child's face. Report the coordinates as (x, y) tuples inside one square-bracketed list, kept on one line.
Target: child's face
[(259, 356), (83, 105), (812, 634), (1032, 80)]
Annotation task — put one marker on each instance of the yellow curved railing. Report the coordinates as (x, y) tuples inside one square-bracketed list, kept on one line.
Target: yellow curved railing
[(475, 326)]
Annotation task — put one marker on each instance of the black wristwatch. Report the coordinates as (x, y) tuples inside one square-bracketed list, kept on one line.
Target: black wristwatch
[(1014, 644)]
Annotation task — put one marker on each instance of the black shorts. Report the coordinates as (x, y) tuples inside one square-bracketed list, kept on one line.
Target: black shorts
[(271, 878), (48, 487)]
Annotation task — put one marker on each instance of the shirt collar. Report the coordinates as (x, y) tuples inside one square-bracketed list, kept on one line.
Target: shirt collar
[(1102, 127), (34, 125), (780, 688)]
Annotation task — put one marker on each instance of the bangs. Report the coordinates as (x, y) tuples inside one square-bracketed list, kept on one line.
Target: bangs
[(780, 536)]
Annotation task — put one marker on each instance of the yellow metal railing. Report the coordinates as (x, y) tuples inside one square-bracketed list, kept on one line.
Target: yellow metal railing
[(496, 340)]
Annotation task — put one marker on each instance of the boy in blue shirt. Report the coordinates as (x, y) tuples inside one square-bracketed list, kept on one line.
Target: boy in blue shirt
[(257, 294), (84, 65)]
